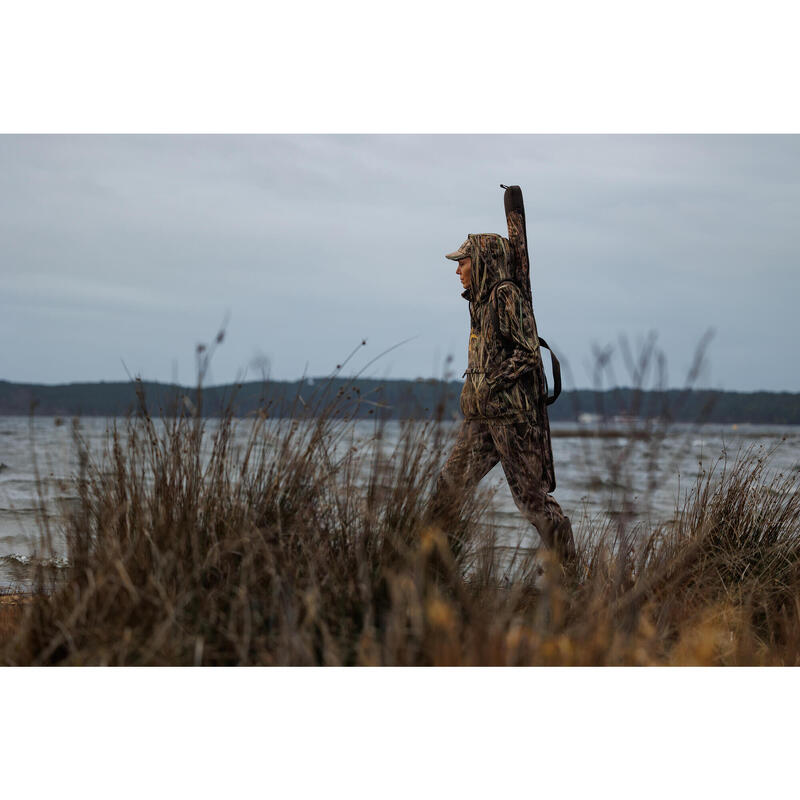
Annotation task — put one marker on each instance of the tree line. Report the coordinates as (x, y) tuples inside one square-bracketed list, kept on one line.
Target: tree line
[(384, 399)]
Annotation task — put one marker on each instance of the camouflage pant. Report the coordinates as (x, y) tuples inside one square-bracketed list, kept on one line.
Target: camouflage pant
[(517, 445)]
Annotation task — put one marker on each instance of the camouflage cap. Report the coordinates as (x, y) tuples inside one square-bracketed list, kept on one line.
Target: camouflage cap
[(463, 252)]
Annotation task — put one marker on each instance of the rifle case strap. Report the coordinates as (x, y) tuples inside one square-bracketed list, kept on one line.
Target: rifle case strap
[(556, 373)]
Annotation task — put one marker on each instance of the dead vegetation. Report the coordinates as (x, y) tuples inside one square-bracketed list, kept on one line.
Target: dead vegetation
[(306, 547)]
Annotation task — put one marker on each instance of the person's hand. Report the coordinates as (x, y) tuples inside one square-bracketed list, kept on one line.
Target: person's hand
[(497, 382)]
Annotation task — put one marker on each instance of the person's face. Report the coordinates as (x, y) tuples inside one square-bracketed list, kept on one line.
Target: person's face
[(464, 271)]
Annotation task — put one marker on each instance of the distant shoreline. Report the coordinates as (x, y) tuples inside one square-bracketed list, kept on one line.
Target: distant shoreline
[(384, 399)]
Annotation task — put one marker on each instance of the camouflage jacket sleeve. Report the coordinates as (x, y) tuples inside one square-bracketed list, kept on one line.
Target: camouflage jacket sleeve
[(518, 331)]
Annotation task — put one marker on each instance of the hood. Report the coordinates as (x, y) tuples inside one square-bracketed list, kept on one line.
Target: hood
[(491, 262)]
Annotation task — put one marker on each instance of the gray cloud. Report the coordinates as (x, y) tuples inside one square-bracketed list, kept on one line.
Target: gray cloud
[(134, 248)]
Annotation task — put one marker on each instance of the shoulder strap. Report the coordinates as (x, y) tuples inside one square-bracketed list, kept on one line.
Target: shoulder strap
[(556, 373)]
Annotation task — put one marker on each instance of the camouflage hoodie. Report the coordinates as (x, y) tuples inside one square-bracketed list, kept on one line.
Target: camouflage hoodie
[(502, 378)]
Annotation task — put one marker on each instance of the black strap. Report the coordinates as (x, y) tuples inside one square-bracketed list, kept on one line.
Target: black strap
[(556, 373)]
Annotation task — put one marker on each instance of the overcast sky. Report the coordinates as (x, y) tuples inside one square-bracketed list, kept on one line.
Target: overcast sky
[(134, 249)]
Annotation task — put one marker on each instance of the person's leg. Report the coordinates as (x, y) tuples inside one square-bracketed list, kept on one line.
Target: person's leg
[(519, 445), (472, 457)]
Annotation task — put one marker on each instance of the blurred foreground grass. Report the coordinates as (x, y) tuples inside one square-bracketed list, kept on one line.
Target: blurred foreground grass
[(278, 554)]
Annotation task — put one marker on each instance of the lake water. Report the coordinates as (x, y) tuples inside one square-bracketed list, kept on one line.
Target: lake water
[(587, 489)]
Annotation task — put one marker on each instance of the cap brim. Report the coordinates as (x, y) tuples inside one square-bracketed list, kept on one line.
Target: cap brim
[(457, 255)]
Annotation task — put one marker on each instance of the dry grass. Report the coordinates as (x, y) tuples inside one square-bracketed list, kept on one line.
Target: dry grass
[(279, 553), (11, 609)]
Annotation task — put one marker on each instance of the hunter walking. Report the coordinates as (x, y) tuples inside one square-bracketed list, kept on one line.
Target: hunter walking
[(504, 399)]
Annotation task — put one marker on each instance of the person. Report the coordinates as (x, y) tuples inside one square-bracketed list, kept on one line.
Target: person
[(499, 401)]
